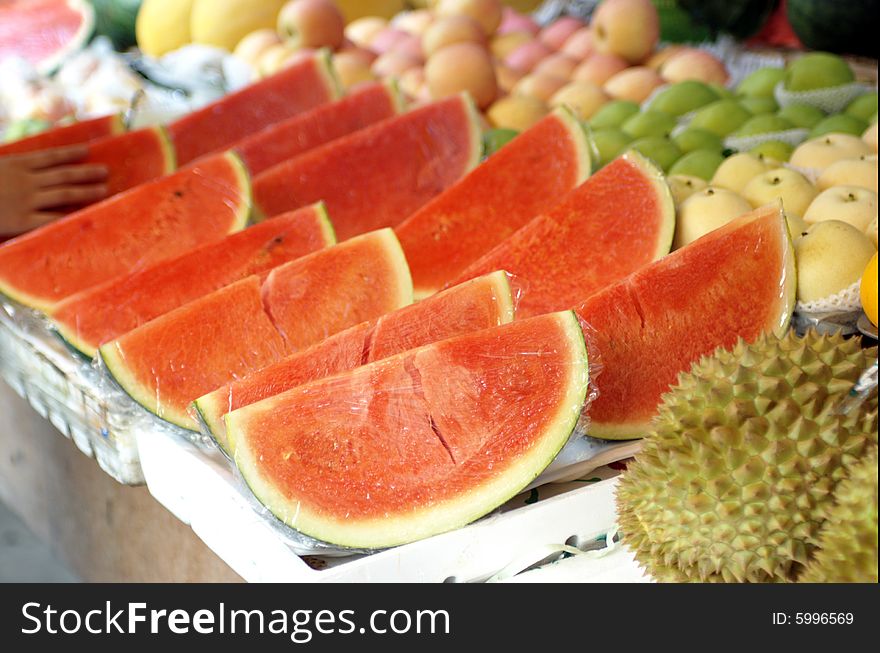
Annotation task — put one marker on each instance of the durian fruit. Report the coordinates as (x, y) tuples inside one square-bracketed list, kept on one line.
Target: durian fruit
[(746, 450), (848, 541)]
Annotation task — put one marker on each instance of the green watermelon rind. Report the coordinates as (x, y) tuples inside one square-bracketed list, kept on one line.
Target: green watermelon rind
[(388, 531), (580, 138), (777, 323), (51, 63), (169, 154), (209, 413), (664, 199)]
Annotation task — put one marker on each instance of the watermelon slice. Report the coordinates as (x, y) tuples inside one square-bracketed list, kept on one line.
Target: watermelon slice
[(44, 32), (105, 312), (736, 281), (472, 306), (618, 221), (298, 88), (170, 362), (133, 230), (420, 443), (133, 158), (328, 122), (525, 177), (74, 134), (378, 176)]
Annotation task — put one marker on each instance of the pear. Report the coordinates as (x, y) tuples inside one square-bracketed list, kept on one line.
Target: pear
[(738, 170), (759, 105), (693, 138), (774, 150), (795, 190), (871, 231), (763, 124), (830, 257), (839, 124), (863, 107), (821, 152), (698, 163), (850, 204), (870, 137), (683, 186), (817, 70), (610, 143), (761, 83), (860, 172), (721, 118), (659, 149), (705, 211), (614, 114), (683, 97), (649, 123), (803, 116)]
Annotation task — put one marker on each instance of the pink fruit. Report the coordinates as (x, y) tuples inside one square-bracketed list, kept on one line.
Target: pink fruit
[(634, 84), (694, 64), (394, 64), (513, 21), (358, 53), (411, 47), (555, 35), (412, 81), (506, 77), (503, 45), (527, 56), (387, 39), (312, 24), (599, 68), (579, 45), (447, 30), (362, 31), (538, 86), (556, 65), (462, 67), (627, 28), (352, 68), (663, 55), (486, 12), (413, 22)]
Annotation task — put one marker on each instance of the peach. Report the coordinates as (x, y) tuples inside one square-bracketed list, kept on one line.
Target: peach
[(599, 68), (513, 21), (312, 24), (506, 77), (447, 30), (352, 68), (579, 45), (486, 12), (362, 31), (537, 86), (503, 45), (634, 84), (462, 67), (663, 55), (527, 56), (414, 22), (252, 46), (557, 33), (517, 112), (410, 46), (556, 65), (367, 56), (694, 64), (584, 98), (627, 28), (393, 64), (387, 39), (412, 81)]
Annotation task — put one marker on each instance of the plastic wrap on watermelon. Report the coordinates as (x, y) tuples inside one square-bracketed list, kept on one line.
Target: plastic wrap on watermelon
[(419, 443)]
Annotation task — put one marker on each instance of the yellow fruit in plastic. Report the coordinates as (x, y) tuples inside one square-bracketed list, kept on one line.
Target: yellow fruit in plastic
[(224, 23), (354, 9), (869, 290), (163, 26)]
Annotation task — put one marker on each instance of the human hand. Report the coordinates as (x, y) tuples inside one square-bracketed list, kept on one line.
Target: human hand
[(35, 185)]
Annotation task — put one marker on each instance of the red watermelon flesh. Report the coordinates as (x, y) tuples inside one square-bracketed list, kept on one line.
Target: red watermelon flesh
[(619, 220), (128, 232), (133, 158), (735, 282), (378, 176), (472, 306), (294, 136), (75, 134), (295, 89), (168, 363), (98, 315), (43, 32), (419, 443), (522, 179)]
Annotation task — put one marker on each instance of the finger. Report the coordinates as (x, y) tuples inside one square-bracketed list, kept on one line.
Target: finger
[(54, 156), (68, 195), (75, 174)]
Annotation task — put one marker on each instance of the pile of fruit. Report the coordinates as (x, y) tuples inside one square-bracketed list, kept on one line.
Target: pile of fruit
[(257, 282)]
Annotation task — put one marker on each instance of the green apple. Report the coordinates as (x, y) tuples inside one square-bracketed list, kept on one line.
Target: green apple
[(821, 152), (850, 204), (763, 124), (759, 105), (659, 149), (839, 124), (803, 116), (693, 138), (705, 211), (610, 142), (721, 118), (722, 92), (698, 163), (817, 70), (738, 170), (761, 82), (649, 123), (861, 172), (683, 186), (774, 150), (830, 258), (863, 107), (613, 114), (683, 97), (790, 186)]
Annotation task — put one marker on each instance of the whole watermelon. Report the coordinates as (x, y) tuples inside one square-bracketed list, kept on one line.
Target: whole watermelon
[(115, 19), (842, 27), (740, 18)]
